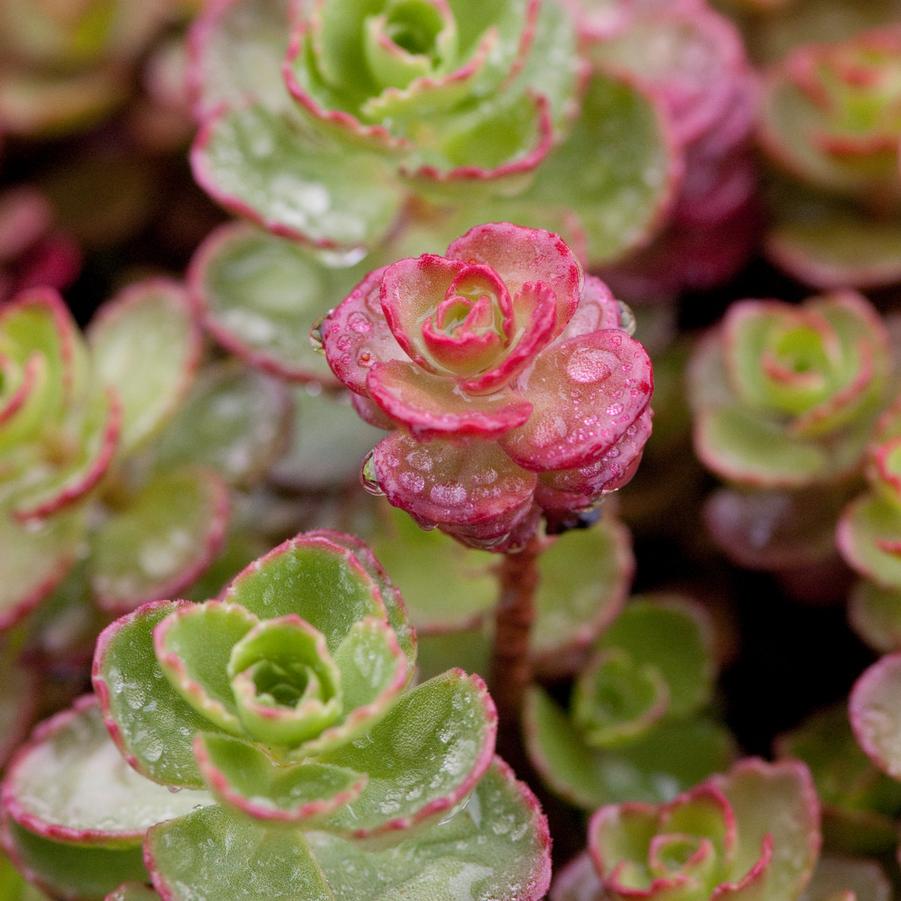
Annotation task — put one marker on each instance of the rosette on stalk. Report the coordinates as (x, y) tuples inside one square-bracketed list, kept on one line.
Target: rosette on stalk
[(374, 100), (506, 380), (289, 699), (787, 396), (636, 728), (750, 834)]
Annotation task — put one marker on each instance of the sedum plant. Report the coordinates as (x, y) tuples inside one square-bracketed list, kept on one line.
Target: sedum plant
[(635, 730), (750, 833), (505, 378), (785, 401), (283, 720)]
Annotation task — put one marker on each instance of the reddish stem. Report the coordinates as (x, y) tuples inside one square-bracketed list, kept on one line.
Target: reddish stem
[(510, 665)]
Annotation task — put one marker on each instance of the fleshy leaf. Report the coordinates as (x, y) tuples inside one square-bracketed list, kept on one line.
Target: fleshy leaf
[(875, 714), (236, 52), (847, 879), (72, 871), (34, 561), (241, 775), (875, 614), (494, 846), (260, 862), (234, 421), (314, 577), (149, 321), (440, 736), (778, 800), (669, 759), (155, 738), (584, 578), (585, 393), (161, 541), (70, 783), (260, 295), (421, 560), (327, 445), (868, 535), (193, 646), (674, 637), (260, 165)]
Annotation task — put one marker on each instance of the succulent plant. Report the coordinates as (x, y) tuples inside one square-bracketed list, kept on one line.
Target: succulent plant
[(506, 378), (752, 833), (642, 691), (786, 397), (284, 714)]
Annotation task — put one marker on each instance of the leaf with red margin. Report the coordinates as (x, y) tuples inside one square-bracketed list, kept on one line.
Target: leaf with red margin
[(151, 322), (35, 561), (13, 886), (65, 870), (161, 541), (778, 800), (234, 421), (577, 881), (69, 783), (45, 489), (156, 738), (522, 256), (316, 576), (210, 852), (868, 537), (242, 776), (496, 843), (258, 164), (584, 579), (236, 50), (259, 295), (473, 483), (876, 714), (875, 615), (422, 758), (673, 756), (586, 392), (432, 406)]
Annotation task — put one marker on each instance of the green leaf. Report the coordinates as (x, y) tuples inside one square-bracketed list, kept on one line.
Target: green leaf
[(314, 578), (669, 759), (445, 585), (75, 871), (261, 294), (584, 579), (328, 444), (876, 714), (493, 848), (616, 700), (149, 322), (35, 560), (868, 536), (234, 421), (259, 164), (242, 776), (193, 647), (422, 758), (217, 853), (239, 48), (161, 541), (778, 800), (72, 784), (597, 189), (672, 636), (14, 888), (157, 738), (875, 614)]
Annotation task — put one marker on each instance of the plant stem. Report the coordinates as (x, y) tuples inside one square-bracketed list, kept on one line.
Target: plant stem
[(510, 665)]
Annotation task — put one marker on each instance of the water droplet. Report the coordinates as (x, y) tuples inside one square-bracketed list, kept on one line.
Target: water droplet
[(317, 342), (368, 477), (626, 318), (359, 322)]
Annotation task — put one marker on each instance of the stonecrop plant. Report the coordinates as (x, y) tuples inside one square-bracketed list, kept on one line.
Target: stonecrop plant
[(506, 378), (429, 428)]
